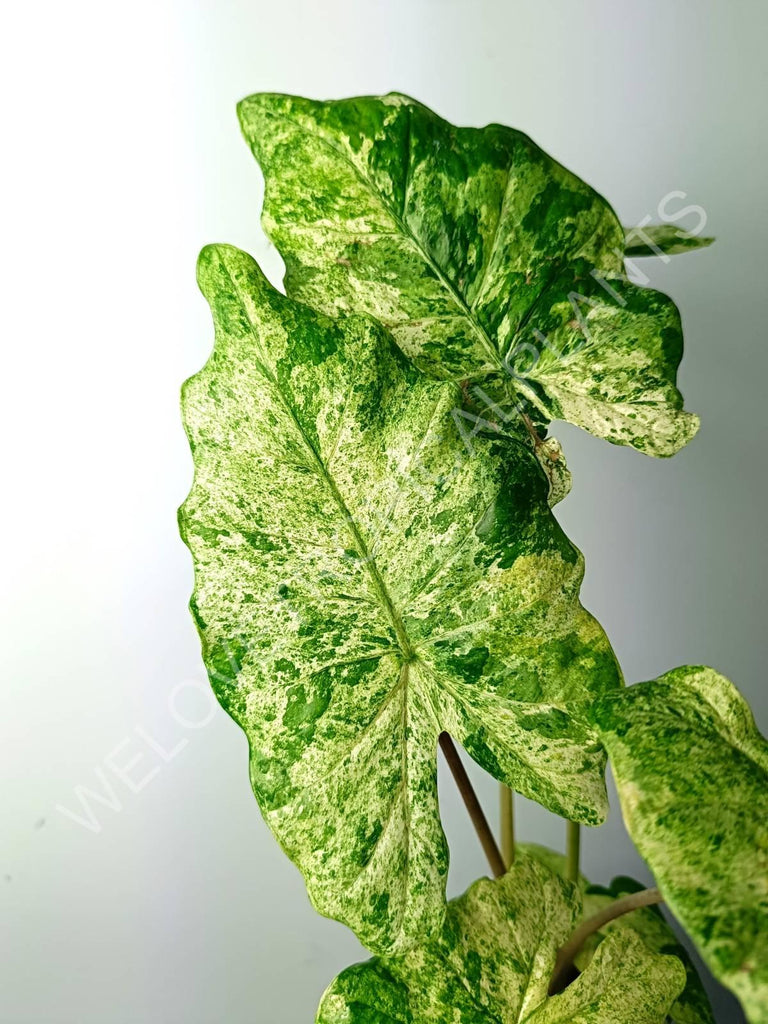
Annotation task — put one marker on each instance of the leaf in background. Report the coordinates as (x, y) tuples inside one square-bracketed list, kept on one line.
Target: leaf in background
[(692, 1005), (493, 960), (692, 774), (362, 583), (604, 366), (464, 242), (661, 239)]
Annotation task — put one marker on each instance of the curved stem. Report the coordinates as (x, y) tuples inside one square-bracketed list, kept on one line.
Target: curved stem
[(567, 953), (472, 804), (507, 809), (572, 851)]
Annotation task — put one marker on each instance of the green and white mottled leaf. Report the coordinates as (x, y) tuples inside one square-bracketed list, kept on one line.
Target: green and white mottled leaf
[(470, 245), (604, 365), (661, 240), (692, 774), (493, 960), (692, 1005), (363, 583)]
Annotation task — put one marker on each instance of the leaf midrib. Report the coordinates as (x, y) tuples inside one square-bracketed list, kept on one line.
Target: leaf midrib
[(380, 588), (490, 1013), (465, 310), (458, 300)]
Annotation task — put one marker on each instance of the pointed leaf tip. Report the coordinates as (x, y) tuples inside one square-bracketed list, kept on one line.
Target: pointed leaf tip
[(661, 240)]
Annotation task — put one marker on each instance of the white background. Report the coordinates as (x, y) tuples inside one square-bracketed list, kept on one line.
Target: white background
[(121, 157)]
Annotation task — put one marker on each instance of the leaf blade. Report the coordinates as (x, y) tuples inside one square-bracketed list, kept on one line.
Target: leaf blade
[(692, 1005), (450, 237), (363, 584), (492, 962), (696, 807)]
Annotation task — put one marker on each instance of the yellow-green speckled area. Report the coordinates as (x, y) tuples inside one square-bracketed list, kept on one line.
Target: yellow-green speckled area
[(493, 960), (490, 262), (692, 1006), (692, 774), (363, 583)]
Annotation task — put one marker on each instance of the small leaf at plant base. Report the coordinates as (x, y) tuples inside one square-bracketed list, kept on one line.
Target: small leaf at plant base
[(492, 962), (692, 1005), (364, 582), (464, 242), (661, 240), (692, 774)]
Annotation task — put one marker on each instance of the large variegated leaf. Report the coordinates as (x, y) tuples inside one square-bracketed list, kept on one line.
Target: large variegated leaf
[(362, 583), (493, 960), (692, 774), (471, 245)]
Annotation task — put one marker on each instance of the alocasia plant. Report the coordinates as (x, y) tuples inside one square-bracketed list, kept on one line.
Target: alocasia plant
[(378, 569)]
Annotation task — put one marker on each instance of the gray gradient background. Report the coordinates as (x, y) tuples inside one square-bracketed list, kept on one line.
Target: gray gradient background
[(127, 158)]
